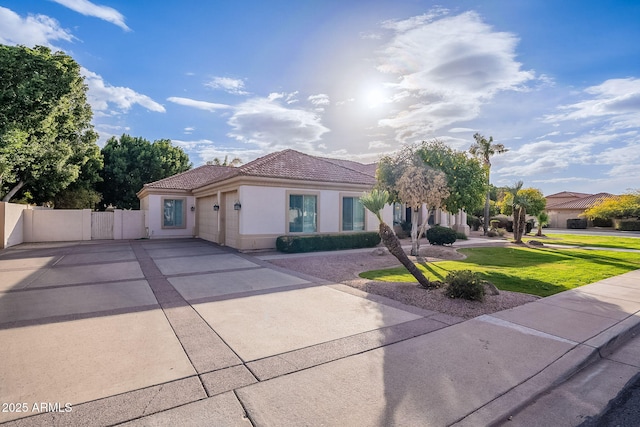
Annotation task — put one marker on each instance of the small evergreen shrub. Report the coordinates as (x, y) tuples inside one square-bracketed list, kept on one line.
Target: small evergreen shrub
[(464, 284), (438, 235), (494, 224), (577, 223), (628, 225), (327, 242), (602, 222), (461, 236)]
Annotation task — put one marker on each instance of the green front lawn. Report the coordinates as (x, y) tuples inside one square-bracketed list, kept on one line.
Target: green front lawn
[(539, 271), (583, 240)]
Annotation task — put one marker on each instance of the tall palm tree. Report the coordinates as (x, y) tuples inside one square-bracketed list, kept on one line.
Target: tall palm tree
[(483, 149), (375, 201)]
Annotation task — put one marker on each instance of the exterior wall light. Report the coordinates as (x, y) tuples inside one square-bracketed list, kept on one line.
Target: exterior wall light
[(216, 207), (237, 206), (193, 208)]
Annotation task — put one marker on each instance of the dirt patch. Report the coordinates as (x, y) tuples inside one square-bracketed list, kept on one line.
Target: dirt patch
[(345, 267)]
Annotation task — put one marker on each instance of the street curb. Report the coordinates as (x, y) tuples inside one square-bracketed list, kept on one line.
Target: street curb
[(501, 409)]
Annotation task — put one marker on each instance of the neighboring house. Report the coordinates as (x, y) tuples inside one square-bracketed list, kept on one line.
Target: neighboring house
[(248, 207), (567, 205)]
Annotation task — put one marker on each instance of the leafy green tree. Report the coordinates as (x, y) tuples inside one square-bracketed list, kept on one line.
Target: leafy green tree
[(130, 162), (375, 201), (45, 122), (82, 194), (465, 175), (484, 149)]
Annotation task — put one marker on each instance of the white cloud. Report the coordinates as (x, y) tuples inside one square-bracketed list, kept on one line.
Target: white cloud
[(268, 123), (30, 31), (378, 144), (201, 105), (319, 99), (87, 8), (617, 100), (228, 84), (101, 95), (189, 130), (445, 70), (461, 130)]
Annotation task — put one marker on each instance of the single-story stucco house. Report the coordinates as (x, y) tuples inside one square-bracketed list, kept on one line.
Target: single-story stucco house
[(282, 193), (570, 205)]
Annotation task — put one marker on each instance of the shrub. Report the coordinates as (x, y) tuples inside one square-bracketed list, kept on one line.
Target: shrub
[(602, 222), (628, 225), (438, 235), (502, 221), (327, 242), (494, 224), (461, 236), (577, 223), (464, 284), (473, 222)]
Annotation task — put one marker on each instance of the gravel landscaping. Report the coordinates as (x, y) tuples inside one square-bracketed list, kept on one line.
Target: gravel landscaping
[(345, 267)]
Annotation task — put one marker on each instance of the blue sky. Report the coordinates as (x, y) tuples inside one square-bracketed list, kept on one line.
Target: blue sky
[(557, 82)]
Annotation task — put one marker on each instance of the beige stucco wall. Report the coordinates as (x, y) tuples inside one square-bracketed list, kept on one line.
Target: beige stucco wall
[(152, 205), (558, 218), (11, 224), (59, 225), (129, 224)]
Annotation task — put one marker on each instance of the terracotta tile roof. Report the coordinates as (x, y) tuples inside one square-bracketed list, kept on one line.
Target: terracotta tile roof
[(583, 202), (368, 169), (291, 164), (287, 164), (194, 178)]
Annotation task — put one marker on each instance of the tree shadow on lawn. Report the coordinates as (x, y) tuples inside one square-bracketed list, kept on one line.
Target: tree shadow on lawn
[(503, 281), (601, 259)]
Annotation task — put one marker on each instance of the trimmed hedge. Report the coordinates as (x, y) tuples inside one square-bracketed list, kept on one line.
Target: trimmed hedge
[(602, 222), (327, 242), (438, 235), (628, 225), (577, 223)]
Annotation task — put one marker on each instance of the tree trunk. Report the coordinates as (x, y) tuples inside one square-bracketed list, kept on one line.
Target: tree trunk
[(486, 214), (414, 233), (422, 229), (539, 233), (519, 224), (13, 191), (391, 242)]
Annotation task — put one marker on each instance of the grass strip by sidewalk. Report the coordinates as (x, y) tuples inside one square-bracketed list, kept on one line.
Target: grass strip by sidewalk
[(595, 241), (537, 271)]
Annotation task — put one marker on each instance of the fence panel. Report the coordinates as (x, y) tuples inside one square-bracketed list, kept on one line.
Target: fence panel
[(101, 225)]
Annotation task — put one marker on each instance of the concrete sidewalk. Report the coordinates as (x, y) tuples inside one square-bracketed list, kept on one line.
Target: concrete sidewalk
[(183, 332)]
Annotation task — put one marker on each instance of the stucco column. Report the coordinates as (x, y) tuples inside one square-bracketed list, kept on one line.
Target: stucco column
[(461, 223)]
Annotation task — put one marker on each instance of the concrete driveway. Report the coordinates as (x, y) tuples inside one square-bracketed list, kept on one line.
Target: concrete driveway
[(183, 332), (100, 333)]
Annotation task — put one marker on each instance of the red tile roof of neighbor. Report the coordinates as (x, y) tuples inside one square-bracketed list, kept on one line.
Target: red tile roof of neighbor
[(583, 202), (568, 194), (286, 164)]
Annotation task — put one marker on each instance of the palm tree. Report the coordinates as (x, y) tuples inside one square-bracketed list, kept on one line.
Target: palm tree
[(483, 149), (519, 206), (375, 202), (543, 219), (216, 161)]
